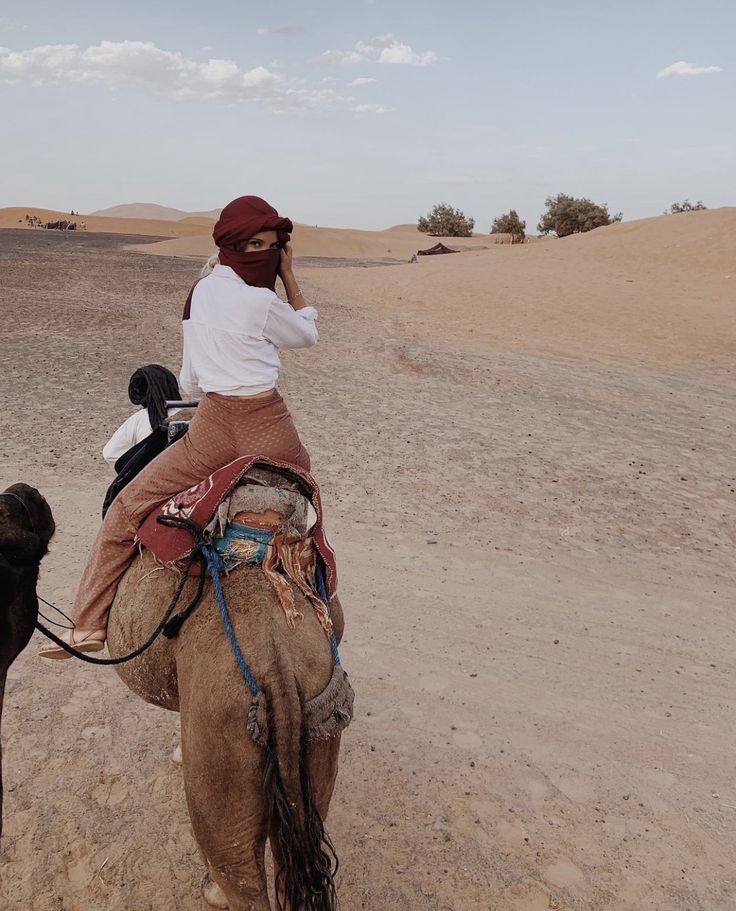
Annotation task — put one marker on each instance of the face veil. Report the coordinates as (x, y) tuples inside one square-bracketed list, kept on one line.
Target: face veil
[(239, 221)]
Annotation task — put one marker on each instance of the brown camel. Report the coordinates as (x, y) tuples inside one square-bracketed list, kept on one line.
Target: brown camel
[(26, 527), (241, 793)]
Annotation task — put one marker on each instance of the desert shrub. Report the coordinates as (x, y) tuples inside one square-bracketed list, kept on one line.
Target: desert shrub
[(444, 221), (567, 215), (685, 206), (510, 224)]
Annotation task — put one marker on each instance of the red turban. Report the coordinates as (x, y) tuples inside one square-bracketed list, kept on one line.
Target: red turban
[(238, 222)]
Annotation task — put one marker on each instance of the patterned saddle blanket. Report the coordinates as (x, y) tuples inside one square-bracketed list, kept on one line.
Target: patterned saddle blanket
[(254, 510)]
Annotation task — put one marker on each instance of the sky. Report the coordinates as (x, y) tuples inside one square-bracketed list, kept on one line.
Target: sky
[(365, 113)]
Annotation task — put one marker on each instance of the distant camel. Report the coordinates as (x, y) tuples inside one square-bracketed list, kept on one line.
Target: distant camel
[(61, 225), (26, 527)]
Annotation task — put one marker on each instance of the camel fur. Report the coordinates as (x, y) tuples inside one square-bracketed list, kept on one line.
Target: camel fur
[(26, 527), (240, 793)]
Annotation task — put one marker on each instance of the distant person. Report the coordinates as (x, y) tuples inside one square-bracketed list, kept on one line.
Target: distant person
[(414, 258), (150, 386)]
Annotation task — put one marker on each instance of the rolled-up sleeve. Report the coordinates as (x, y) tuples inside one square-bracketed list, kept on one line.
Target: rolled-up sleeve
[(289, 328), (188, 381)]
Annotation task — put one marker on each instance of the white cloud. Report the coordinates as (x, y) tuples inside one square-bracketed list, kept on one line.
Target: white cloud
[(371, 109), (169, 75), (682, 68), (380, 41), (283, 31), (402, 54), (339, 57), (381, 49), (362, 80)]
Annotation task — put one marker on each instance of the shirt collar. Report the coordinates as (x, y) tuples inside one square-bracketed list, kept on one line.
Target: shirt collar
[(226, 272)]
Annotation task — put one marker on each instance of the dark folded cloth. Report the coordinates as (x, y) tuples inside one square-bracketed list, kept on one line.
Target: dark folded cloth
[(137, 457)]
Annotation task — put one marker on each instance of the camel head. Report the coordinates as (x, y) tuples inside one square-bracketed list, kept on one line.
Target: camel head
[(26, 527)]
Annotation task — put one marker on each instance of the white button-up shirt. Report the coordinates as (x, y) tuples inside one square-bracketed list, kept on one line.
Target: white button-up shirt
[(233, 335)]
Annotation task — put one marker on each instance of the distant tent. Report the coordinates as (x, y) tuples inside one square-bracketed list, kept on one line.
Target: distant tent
[(436, 250)]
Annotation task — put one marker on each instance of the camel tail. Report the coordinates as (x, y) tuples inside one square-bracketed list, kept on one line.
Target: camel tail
[(307, 859)]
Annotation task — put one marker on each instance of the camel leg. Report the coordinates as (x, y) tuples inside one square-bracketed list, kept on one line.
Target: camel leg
[(3, 675), (231, 833), (223, 780), (323, 759)]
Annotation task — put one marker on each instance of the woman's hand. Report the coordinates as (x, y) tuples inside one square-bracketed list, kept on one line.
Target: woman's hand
[(293, 295), (286, 266)]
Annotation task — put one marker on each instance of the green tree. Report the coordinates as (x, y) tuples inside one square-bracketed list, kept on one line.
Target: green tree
[(510, 224), (567, 215), (685, 206), (444, 221)]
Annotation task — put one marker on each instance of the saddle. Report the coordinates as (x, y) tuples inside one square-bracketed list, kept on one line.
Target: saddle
[(253, 510)]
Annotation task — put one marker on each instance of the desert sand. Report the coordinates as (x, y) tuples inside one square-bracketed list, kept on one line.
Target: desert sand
[(191, 235), (147, 227), (526, 457), (395, 244)]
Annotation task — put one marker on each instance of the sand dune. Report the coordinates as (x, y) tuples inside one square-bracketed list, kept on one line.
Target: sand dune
[(655, 288), (660, 289), (148, 227), (701, 240), (339, 243), (152, 210), (192, 236), (642, 290), (203, 221)]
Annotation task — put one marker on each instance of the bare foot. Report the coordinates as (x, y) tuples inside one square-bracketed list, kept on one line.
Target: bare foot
[(176, 756)]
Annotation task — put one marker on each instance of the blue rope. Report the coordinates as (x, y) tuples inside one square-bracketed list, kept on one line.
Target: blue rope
[(213, 564), (235, 531), (319, 578)]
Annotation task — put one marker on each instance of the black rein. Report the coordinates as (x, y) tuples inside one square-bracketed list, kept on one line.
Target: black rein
[(169, 625)]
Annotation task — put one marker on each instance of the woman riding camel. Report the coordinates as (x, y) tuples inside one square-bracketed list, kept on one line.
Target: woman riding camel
[(234, 325)]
